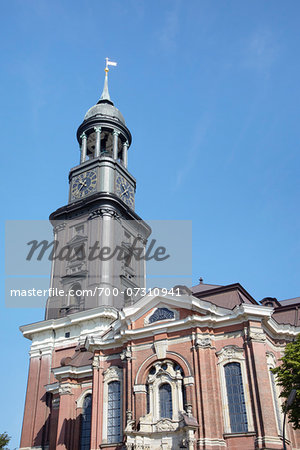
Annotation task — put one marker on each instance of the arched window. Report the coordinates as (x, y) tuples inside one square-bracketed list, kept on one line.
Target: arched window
[(165, 401), (114, 412), (85, 428), (164, 391), (236, 398)]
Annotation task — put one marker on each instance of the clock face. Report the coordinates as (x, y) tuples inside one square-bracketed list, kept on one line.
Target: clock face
[(125, 191), (84, 184)]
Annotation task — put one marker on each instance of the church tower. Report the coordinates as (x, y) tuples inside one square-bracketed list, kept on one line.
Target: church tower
[(98, 235)]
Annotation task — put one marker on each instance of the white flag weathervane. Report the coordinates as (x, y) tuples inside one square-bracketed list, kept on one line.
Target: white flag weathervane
[(109, 63)]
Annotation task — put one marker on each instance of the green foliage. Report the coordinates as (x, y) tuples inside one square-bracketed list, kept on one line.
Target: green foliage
[(4, 440), (288, 377)]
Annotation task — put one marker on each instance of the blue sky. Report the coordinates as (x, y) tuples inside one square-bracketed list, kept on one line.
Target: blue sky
[(209, 90)]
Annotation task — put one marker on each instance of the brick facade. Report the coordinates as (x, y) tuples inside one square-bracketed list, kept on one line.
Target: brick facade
[(192, 350)]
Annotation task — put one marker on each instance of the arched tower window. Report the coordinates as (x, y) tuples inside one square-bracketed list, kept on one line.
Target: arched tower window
[(85, 428), (165, 401), (236, 398), (114, 412)]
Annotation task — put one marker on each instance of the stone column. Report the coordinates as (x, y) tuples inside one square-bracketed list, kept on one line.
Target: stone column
[(98, 141), (124, 153), (115, 146), (83, 148)]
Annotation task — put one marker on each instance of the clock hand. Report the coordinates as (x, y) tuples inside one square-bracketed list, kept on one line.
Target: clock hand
[(124, 192)]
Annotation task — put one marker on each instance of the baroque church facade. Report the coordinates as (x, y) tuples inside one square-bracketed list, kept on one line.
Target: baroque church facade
[(187, 368)]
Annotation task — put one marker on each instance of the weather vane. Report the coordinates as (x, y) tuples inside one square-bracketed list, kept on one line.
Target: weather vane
[(109, 63)]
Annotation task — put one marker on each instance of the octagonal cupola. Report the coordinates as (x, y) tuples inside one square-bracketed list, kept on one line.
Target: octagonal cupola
[(103, 132)]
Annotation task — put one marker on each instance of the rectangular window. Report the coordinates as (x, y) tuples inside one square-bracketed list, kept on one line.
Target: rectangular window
[(236, 398), (165, 400), (85, 432), (114, 412)]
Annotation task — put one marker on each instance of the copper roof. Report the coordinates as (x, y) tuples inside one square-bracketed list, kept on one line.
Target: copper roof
[(80, 358), (291, 301), (225, 296)]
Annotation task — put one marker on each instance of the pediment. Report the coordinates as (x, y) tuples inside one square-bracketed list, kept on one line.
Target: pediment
[(151, 310)]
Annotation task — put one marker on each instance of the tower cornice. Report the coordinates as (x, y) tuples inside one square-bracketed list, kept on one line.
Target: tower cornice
[(95, 201)]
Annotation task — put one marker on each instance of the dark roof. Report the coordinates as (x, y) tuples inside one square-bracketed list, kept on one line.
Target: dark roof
[(203, 287), (290, 301), (224, 296), (285, 311), (287, 315), (80, 358)]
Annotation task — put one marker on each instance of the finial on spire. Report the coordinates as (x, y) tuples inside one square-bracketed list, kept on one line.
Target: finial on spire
[(105, 93)]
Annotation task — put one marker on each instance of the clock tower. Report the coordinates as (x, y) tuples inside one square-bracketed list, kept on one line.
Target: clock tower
[(99, 239)]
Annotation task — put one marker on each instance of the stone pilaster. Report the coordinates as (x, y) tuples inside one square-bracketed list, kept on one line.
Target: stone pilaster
[(267, 434), (97, 404), (66, 417), (211, 434)]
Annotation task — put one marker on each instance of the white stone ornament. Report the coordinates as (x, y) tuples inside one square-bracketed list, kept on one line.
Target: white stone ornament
[(65, 390), (203, 342), (257, 336), (161, 348), (126, 354), (112, 373), (230, 352), (96, 362), (165, 425)]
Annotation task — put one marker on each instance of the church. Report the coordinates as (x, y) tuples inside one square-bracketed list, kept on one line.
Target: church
[(116, 366)]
